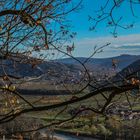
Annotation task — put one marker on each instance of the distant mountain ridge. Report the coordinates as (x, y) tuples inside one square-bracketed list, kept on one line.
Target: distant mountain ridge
[(123, 77), (61, 69), (92, 63), (131, 71)]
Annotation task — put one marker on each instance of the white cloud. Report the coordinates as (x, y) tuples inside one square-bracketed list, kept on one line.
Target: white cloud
[(119, 45), (133, 39), (129, 45)]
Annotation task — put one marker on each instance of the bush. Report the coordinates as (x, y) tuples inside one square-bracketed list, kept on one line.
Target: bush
[(19, 125), (94, 130), (103, 130)]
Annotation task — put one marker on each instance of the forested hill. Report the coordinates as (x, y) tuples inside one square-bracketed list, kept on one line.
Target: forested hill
[(62, 68)]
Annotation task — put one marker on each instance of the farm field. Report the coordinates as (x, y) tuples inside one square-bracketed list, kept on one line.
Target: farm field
[(88, 123)]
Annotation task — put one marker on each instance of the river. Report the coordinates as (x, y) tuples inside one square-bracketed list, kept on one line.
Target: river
[(60, 135), (72, 137)]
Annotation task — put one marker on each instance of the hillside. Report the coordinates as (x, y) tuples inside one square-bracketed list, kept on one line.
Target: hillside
[(64, 70), (123, 61), (131, 71)]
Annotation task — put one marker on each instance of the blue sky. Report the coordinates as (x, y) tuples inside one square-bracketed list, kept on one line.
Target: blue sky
[(86, 40)]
